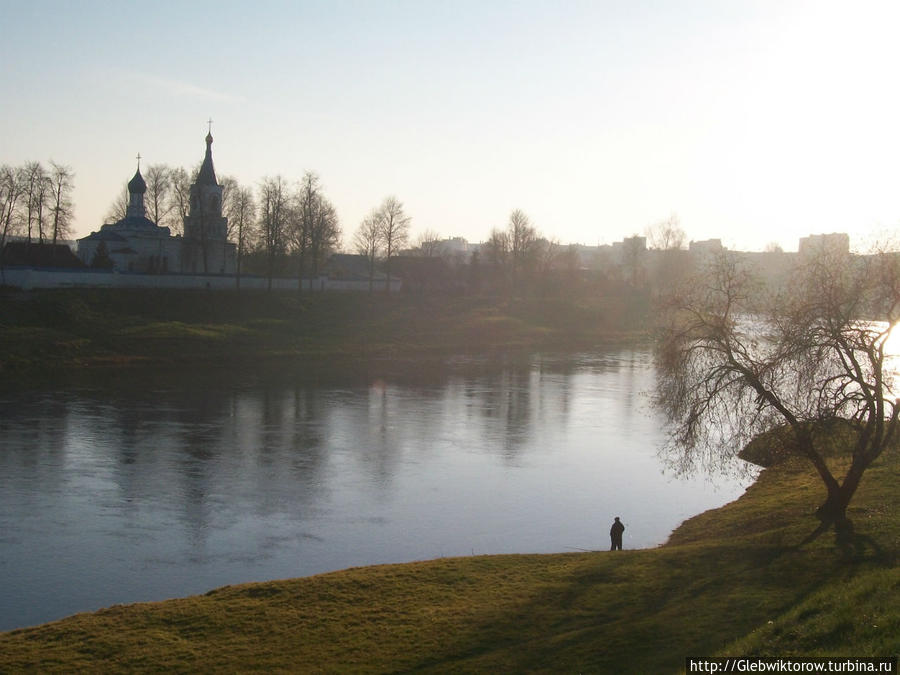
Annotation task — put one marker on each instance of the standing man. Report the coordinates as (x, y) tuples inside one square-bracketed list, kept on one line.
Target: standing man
[(615, 535)]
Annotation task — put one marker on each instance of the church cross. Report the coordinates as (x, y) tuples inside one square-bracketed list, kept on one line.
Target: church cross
[(139, 161), (209, 121)]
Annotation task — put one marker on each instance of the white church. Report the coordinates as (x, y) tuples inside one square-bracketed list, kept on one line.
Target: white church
[(137, 244)]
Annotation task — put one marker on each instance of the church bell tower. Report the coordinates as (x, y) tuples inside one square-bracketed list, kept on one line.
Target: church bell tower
[(205, 228)]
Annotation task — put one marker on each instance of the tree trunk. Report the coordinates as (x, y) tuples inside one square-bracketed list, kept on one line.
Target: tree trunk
[(834, 509)]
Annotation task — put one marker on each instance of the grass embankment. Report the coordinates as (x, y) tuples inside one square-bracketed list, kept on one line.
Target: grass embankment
[(97, 327), (730, 581)]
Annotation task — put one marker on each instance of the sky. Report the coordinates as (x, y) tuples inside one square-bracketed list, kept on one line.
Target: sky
[(756, 122)]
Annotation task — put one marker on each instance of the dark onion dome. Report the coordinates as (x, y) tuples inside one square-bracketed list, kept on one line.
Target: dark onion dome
[(137, 185), (207, 175)]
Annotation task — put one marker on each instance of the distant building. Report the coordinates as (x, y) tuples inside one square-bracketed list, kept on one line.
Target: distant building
[(137, 244), (815, 244), (452, 247), (707, 246)]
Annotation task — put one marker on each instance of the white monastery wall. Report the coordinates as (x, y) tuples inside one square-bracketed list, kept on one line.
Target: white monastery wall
[(30, 278)]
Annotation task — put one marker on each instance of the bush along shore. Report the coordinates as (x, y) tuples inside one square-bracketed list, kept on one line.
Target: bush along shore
[(731, 581)]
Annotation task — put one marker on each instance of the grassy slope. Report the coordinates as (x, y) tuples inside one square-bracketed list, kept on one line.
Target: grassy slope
[(730, 581), (47, 329)]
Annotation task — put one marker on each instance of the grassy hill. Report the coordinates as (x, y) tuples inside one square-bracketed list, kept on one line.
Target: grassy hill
[(730, 581)]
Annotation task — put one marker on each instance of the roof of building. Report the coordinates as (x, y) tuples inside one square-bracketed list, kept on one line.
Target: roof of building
[(137, 223), (39, 255)]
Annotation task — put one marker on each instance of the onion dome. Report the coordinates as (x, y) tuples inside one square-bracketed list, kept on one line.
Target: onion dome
[(136, 185)]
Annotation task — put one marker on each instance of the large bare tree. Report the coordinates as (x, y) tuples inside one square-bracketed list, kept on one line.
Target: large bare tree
[(240, 208), (62, 184), (666, 234), (35, 193), (522, 240), (303, 213), (790, 367), (367, 241), (672, 262), (157, 198), (325, 233), (10, 194), (393, 226), (274, 212)]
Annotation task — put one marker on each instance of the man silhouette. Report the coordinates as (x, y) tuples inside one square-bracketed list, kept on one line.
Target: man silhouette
[(615, 535)]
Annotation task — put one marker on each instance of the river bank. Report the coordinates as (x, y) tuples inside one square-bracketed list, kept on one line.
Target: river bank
[(48, 330), (729, 581)]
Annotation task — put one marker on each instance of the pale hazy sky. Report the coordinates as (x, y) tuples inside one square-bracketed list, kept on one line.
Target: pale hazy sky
[(752, 121)]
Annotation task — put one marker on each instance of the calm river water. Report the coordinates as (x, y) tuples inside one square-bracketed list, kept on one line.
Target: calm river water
[(151, 486)]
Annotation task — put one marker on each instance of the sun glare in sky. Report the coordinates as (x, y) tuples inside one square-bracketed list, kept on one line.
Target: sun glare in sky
[(756, 122)]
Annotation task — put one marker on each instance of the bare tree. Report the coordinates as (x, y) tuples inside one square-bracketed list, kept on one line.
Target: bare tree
[(179, 198), (429, 243), (35, 188), (366, 241), (157, 198), (522, 239), (305, 208), (10, 194), (666, 235), (274, 210), (738, 362), (393, 226), (497, 248), (668, 239), (119, 207), (325, 233), (513, 252), (241, 211), (61, 179)]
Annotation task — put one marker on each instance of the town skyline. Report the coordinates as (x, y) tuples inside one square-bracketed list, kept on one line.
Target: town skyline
[(754, 123)]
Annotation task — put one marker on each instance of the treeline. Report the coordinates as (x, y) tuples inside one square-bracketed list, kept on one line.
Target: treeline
[(36, 201), (285, 228)]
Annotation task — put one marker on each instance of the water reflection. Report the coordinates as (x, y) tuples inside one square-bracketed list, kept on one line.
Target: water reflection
[(121, 491)]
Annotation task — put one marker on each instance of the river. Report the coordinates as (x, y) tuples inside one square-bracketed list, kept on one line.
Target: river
[(144, 486)]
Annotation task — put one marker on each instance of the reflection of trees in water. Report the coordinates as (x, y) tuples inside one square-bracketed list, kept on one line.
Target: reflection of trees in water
[(34, 445), (203, 450), (516, 403)]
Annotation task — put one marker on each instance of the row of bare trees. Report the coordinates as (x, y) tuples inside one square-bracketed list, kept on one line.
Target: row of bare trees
[(36, 201), (296, 223), (381, 235)]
